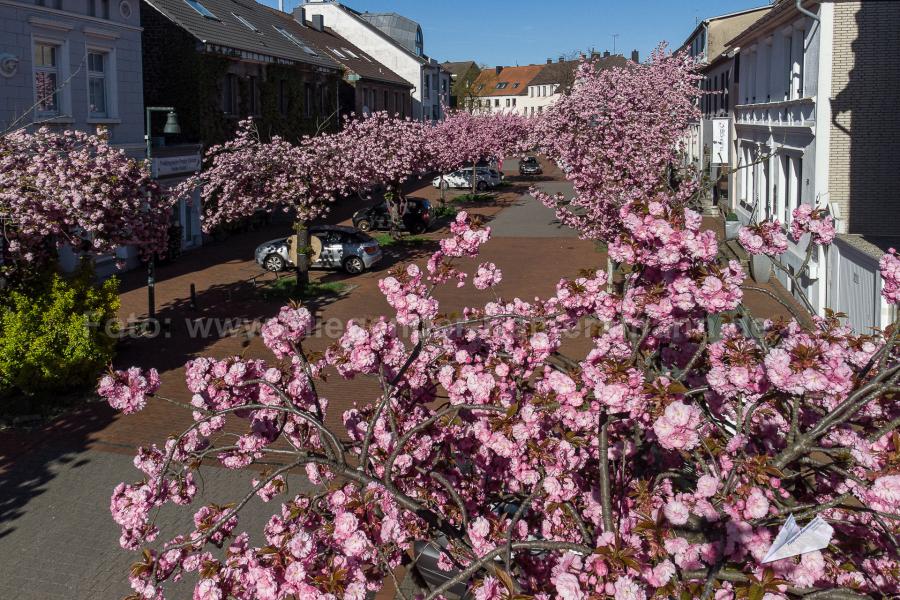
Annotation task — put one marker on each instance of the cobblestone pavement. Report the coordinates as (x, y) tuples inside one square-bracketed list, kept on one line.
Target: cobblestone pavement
[(57, 540)]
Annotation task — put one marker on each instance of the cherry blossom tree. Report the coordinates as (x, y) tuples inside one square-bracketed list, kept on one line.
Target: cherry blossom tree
[(661, 463), (614, 133), (384, 150), (74, 188), (464, 138), (247, 175)]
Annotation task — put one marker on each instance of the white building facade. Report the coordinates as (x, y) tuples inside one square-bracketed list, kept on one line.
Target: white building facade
[(431, 84), (799, 126)]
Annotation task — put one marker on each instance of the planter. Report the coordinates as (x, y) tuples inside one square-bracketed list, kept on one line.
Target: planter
[(731, 229), (760, 268)]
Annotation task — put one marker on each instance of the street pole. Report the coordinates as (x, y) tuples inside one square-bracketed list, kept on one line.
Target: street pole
[(151, 262)]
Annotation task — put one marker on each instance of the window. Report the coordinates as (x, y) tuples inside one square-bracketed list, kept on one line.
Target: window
[(349, 53), (787, 168), (57, 4), (46, 79), (337, 53), (502, 85), (96, 69), (385, 106), (201, 9), (507, 102), (294, 40), (515, 85), (282, 96), (229, 94), (497, 102), (245, 22), (789, 66), (308, 97), (540, 109), (427, 86), (513, 101), (92, 8), (252, 96)]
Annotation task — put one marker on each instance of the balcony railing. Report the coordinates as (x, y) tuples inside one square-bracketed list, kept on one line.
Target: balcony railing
[(788, 113)]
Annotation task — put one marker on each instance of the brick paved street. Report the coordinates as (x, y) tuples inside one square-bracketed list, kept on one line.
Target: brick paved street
[(57, 540)]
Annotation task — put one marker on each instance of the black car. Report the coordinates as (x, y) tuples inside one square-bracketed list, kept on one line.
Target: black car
[(530, 166), (416, 218)]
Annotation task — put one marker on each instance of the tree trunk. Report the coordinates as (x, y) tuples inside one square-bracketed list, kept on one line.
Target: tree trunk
[(302, 264), (396, 205), (474, 177), (443, 191)]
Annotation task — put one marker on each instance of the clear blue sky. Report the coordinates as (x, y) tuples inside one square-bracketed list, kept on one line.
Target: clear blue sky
[(507, 32)]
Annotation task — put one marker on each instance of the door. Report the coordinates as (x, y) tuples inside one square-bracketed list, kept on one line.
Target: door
[(332, 250), (380, 217)]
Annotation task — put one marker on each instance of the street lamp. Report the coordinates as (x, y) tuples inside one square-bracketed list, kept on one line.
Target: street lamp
[(171, 127)]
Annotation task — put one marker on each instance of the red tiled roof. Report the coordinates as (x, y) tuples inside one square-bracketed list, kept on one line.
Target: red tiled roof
[(516, 80)]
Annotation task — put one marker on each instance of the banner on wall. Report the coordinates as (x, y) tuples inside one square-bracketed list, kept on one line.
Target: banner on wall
[(720, 129)]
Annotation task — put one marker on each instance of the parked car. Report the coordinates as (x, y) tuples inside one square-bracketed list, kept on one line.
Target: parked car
[(416, 219), (462, 178), (530, 166), (333, 247)]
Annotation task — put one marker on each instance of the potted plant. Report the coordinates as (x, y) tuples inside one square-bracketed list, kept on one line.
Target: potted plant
[(760, 268), (732, 225)]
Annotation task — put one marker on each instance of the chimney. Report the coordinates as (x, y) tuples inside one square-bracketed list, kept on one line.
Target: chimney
[(635, 56), (549, 61), (300, 15), (318, 22), (561, 59), (498, 68), (595, 55), (606, 54)]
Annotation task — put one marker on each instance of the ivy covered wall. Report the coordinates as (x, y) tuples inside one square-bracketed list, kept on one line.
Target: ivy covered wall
[(178, 73)]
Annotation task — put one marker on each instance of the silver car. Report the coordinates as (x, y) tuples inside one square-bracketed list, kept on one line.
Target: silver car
[(333, 247), (462, 178)]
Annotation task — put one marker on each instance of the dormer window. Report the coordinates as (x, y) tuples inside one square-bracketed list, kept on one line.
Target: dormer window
[(294, 40), (502, 85), (202, 10), (245, 22)]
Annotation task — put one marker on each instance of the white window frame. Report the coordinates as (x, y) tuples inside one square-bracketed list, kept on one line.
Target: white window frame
[(110, 83), (63, 96)]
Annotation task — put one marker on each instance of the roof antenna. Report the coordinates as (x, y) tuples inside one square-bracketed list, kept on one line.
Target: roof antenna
[(614, 36), (281, 5)]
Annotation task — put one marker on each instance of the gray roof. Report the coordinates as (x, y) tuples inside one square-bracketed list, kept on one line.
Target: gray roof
[(353, 58), (563, 72), (402, 29), (359, 17), (458, 68), (226, 32)]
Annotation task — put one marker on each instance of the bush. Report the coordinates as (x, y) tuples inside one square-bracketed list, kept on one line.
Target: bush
[(54, 336)]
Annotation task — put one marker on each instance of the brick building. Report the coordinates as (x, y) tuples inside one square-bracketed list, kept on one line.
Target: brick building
[(816, 123), (219, 61)]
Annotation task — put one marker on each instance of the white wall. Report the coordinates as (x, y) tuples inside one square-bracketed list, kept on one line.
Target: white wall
[(774, 117), (375, 44)]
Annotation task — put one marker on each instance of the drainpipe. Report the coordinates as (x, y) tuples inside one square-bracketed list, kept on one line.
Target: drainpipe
[(806, 12)]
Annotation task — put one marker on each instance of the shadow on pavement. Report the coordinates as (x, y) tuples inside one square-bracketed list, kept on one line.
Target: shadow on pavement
[(25, 457)]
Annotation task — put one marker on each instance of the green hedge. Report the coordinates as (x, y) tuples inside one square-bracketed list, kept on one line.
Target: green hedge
[(55, 335)]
